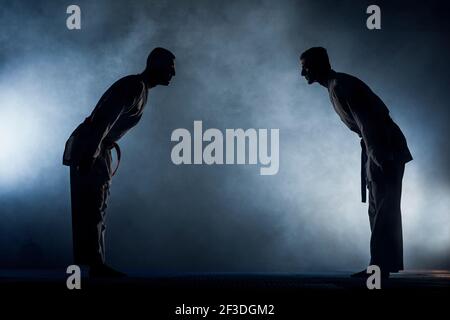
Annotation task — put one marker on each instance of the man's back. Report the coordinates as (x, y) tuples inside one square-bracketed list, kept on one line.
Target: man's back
[(118, 110), (367, 115)]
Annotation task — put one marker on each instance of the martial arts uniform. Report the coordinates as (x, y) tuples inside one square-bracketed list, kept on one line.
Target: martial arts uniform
[(119, 109), (384, 154)]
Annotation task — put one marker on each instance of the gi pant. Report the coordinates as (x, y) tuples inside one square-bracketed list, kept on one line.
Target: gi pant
[(89, 194), (385, 189)]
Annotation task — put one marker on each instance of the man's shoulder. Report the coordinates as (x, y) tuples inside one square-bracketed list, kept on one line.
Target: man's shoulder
[(125, 90), (343, 79), (132, 83), (344, 83)]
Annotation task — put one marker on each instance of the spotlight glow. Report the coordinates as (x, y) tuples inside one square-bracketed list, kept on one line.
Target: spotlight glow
[(19, 137)]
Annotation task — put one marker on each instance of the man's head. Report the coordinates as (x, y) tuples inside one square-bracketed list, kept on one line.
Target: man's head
[(160, 66), (315, 64)]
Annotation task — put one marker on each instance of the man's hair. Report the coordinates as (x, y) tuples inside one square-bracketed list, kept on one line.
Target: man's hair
[(159, 55), (317, 56)]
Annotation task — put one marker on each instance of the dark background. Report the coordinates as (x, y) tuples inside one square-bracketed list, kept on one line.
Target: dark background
[(237, 67)]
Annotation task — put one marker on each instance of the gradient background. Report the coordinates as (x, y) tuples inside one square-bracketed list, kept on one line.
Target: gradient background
[(237, 67)]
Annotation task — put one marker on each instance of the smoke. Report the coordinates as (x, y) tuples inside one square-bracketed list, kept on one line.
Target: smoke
[(237, 67)]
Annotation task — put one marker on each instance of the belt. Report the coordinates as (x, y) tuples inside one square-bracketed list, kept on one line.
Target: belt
[(363, 172)]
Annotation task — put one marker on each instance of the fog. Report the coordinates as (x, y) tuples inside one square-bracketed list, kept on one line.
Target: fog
[(236, 67)]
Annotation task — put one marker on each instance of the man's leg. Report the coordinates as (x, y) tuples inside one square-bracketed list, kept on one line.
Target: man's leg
[(89, 193), (89, 197), (386, 243), (372, 218)]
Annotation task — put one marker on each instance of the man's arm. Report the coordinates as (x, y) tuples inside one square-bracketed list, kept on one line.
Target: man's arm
[(117, 100), (367, 120)]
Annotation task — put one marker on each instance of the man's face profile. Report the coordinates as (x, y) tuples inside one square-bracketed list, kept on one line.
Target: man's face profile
[(306, 71), (167, 72)]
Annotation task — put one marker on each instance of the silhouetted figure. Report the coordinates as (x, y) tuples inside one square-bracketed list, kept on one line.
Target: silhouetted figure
[(383, 157), (88, 153)]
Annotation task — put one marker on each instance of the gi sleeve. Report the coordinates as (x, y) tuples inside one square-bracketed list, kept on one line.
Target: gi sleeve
[(366, 118)]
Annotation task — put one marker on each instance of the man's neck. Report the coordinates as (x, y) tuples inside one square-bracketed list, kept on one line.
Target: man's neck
[(148, 79), (326, 79)]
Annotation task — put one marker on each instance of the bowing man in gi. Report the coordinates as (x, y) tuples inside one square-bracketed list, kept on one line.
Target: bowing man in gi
[(88, 153), (383, 157)]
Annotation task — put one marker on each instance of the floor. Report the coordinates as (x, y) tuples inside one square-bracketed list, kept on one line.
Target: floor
[(166, 294)]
